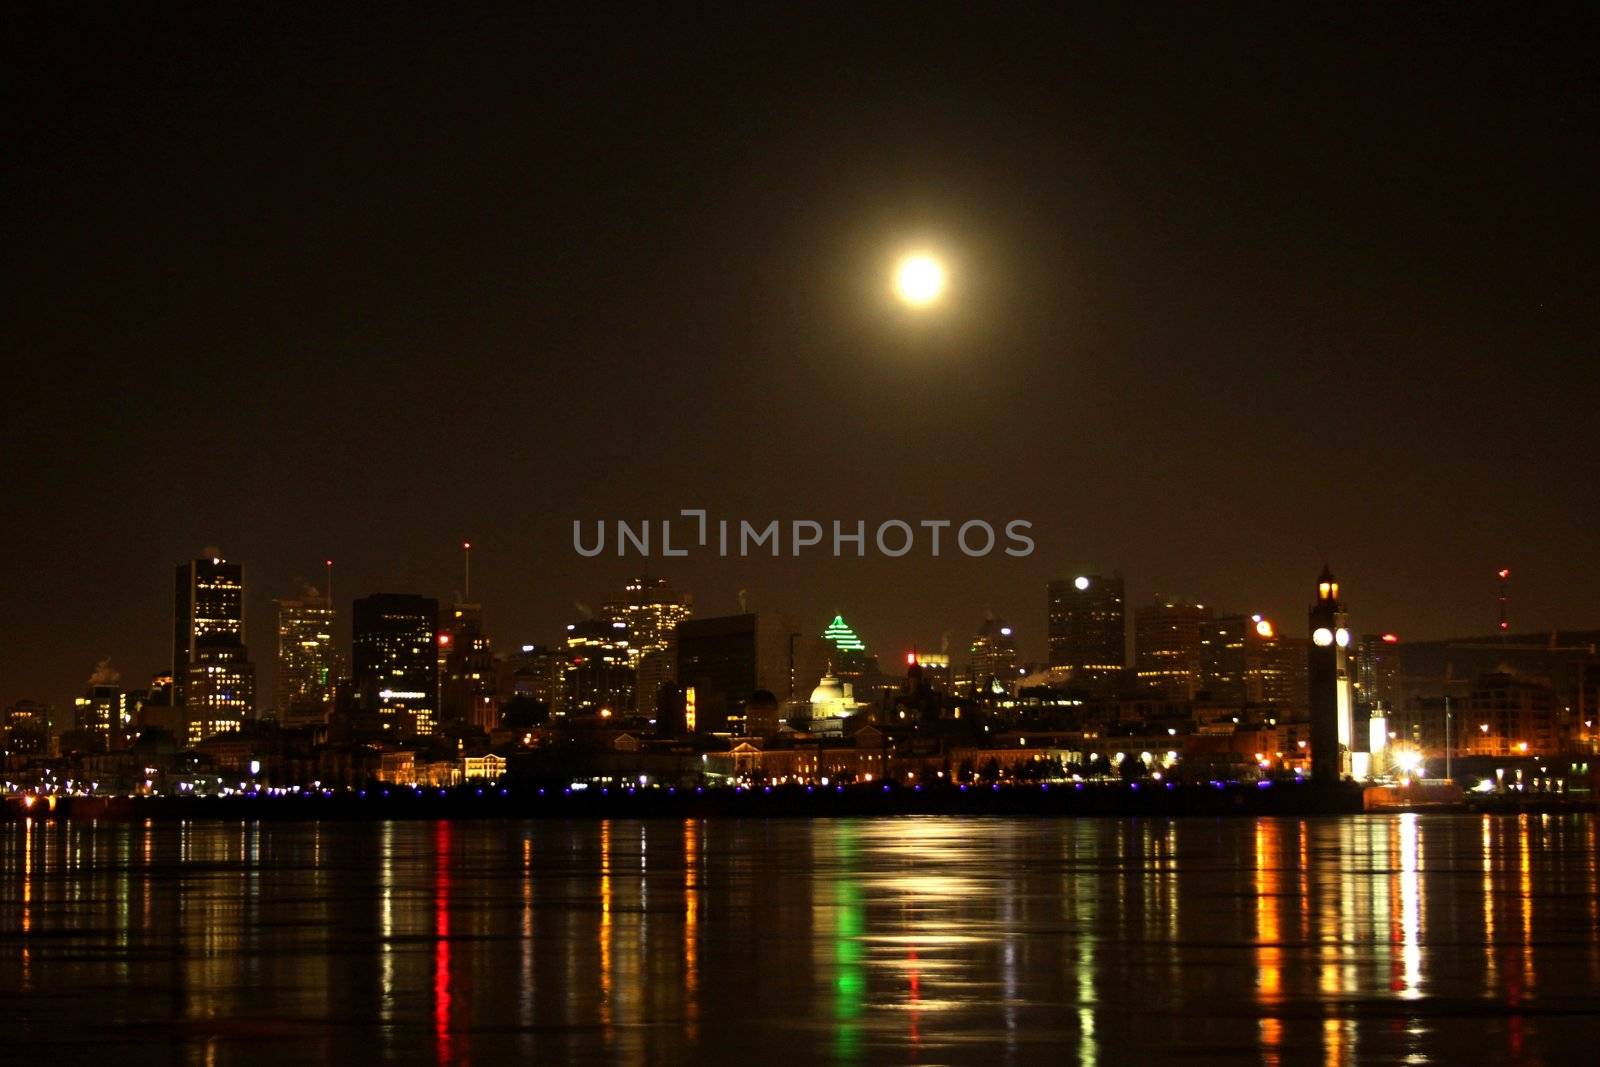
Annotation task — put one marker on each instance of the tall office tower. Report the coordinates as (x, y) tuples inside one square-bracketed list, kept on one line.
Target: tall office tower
[(212, 676), (27, 729), (1329, 668), (533, 672), (466, 670), (1276, 672), (1087, 629), (725, 661), (394, 665), (1222, 656), (850, 661), (1245, 660), (992, 657), (1377, 678), (651, 610), (307, 660), (599, 668), (1168, 647)]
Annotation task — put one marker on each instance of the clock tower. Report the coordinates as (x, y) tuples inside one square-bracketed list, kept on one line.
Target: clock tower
[(1331, 727)]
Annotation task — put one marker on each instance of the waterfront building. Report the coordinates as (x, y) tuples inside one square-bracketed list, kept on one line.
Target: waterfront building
[(1506, 714)]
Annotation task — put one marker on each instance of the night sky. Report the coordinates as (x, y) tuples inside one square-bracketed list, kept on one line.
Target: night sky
[(1231, 295)]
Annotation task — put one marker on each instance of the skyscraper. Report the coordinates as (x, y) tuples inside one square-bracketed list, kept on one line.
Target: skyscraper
[(466, 669), (394, 665), (851, 662), (307, 660), (1087, 629), (1167, 647), (599, 669), (536, 673), (212, 676), (1245, 659), (1222, 657), (727, 660), (651, 610), (1377, 678)]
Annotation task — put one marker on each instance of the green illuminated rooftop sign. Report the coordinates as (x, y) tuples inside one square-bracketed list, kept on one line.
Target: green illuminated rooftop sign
[(843, 638)]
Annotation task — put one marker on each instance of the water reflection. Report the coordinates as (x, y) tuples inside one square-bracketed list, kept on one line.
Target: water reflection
[(1394, 938)]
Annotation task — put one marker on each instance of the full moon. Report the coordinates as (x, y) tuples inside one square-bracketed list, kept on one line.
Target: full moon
[(919, 280)]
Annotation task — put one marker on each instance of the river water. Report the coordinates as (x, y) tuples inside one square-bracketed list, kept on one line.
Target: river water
[(1375, 939)]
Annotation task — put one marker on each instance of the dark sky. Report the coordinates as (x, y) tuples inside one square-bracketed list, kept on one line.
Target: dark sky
[(1231, 294)]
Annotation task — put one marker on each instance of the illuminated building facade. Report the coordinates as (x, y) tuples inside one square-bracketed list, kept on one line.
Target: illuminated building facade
[(935, 668), (1087, 629), (843, 639), (1167, 647), (213, 679), (1332, 729), (394, 664), (599, 677), (991, 657), (212, 672), (221, 692), (1508, 715), (847, 657), (307, 661), (651, 610)]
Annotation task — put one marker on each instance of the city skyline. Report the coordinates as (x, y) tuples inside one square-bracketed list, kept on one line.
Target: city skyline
[(1032, 641), (847, 534), (1199, 325)]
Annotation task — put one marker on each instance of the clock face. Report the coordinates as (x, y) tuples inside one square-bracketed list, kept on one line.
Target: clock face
[(1322, 637), (1342, 636)]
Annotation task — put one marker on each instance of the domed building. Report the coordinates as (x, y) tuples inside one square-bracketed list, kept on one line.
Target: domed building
[(832, 702), (831, 697)]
